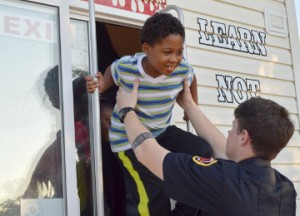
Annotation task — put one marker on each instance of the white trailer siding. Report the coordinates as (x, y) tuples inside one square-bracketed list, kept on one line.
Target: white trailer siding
[(277, 72), (226, 76)]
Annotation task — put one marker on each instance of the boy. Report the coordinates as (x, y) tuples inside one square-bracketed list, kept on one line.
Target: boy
[(161, 70)]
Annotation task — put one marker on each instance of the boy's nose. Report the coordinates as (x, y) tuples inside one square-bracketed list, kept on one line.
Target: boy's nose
[(173, 58)]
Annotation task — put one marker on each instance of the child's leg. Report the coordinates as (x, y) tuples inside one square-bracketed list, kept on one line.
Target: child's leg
[(177, 140), (144, 192)]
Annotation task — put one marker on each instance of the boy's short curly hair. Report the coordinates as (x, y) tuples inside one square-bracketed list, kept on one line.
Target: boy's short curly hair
[(159, 26)]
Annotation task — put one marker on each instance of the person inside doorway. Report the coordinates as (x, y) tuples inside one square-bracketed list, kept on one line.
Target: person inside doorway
[(113, 180)]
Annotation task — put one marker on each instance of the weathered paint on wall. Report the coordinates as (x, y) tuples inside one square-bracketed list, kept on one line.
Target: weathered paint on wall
[(139, 6)]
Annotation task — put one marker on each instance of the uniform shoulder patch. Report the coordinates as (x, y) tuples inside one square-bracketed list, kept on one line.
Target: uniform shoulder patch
[(204, 161)]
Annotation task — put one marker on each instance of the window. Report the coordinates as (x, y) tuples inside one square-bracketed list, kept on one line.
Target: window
[(30, 110)]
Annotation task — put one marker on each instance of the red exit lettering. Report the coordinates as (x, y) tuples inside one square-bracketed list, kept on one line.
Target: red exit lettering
[(29, 28)]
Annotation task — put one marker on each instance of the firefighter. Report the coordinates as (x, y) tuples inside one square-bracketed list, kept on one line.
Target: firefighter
[(240, 181)]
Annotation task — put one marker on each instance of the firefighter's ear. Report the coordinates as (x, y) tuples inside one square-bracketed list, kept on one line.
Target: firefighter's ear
[(245, 138)]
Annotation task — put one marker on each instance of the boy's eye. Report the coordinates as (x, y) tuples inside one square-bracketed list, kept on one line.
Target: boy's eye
[(178, 53)]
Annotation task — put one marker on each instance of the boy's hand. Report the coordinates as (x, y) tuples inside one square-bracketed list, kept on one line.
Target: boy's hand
[(92, 84), (127, 99)]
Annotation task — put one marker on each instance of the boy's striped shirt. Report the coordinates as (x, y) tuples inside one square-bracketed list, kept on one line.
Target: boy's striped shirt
[(156, 97)]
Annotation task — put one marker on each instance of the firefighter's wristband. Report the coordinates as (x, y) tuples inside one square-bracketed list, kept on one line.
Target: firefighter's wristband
[(140, 139)]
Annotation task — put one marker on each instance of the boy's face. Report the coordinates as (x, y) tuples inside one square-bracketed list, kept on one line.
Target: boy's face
[(163, 57)]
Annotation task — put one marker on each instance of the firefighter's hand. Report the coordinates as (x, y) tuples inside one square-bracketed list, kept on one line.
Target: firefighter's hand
[(185, 99), (128, 99)]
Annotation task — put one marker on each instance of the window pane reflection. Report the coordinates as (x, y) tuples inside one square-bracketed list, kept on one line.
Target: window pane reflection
[(80, 62), (30, 113), (79, 47)]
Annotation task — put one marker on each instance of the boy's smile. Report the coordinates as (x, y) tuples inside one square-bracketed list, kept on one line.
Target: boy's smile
[(163, 56)]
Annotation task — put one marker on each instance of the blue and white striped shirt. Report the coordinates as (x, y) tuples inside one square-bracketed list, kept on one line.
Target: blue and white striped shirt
[(156, 96)]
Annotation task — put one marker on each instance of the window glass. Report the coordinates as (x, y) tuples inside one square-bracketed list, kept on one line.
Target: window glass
[(80, 67), (79, 47), (31, 168)]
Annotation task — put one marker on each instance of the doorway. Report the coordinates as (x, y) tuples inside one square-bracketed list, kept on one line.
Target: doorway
[(113, 42)]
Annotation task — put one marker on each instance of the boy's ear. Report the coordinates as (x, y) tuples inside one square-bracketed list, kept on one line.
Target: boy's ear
[(145, 48)]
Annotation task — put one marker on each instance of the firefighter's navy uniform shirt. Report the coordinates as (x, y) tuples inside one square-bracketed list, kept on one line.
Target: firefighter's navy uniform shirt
[(225, 188)]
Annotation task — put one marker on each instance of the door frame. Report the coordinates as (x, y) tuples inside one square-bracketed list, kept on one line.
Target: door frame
[(71, 203)]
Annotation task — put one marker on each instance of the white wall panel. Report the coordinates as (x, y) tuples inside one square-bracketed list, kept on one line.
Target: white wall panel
[(295, 140), (274, 54), (288, 155), (207, 77), (292, 171), (220, 61), (257, 5), (273, 43)]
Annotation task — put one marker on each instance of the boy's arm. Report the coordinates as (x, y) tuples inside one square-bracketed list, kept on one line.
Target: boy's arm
[(194, 93), (103, 83), (107, 79), (202, 125)]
